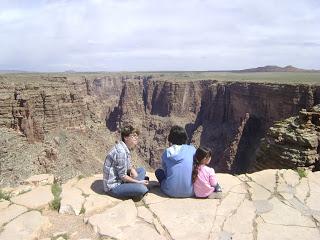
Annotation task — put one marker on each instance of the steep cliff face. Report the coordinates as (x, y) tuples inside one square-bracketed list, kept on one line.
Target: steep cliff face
[(165, 98), (236, 115), (154, 106)]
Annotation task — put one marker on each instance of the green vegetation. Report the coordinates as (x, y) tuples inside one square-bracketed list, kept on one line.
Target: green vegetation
[(258, 77), (56, 191), (4, 195), (64, 236), (301, 172), (80, 177), (83, 210)]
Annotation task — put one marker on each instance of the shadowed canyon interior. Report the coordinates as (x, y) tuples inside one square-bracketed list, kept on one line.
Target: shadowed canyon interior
[(65, 124)]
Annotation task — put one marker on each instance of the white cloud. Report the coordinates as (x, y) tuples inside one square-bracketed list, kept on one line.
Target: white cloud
[(107, 35)]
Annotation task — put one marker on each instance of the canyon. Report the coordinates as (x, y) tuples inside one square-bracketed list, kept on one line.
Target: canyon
[(65, 123)]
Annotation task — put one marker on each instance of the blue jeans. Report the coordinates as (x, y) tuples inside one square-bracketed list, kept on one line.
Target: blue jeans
[(131, 190)]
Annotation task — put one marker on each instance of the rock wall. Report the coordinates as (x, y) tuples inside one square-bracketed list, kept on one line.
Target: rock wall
[(235, 116), (291, 143), (54, 125), (56, 103), (154, 106)]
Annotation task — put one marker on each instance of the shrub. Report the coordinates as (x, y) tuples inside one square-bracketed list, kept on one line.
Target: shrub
[(56, 191), (80, 177), (301, 172), (83, 210), (64, 236), (4, 195)]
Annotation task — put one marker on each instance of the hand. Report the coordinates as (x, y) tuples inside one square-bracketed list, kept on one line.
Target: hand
[(144, 182)]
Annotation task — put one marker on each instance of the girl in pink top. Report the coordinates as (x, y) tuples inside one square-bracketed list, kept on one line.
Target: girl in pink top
[(204, 179)]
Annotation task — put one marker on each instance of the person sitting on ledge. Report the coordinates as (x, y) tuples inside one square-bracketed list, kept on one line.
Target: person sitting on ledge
[(120, 179), (175, 177), (204, 178)]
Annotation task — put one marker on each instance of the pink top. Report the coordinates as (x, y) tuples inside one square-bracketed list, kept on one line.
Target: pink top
[(205, 181)]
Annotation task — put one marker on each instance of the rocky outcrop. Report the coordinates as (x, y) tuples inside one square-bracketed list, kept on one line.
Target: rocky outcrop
[(271, 204), (292, 143), (235, 116)]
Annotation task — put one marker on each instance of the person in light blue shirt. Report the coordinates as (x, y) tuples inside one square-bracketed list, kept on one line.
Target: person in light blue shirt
[(175, 177)]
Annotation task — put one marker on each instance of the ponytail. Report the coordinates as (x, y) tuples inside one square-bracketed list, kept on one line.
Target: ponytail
[(201, 153), (195, 168)]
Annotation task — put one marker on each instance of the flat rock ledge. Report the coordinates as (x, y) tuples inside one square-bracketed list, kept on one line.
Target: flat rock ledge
[(270, 204)]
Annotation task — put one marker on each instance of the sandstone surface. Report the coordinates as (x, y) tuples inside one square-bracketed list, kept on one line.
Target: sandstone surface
[(242, 213)]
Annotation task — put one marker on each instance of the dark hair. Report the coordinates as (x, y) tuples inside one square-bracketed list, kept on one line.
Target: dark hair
[(201, 153), (178, 135), (127, 130)]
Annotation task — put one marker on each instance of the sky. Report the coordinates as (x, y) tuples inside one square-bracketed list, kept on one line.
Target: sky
[(158, 35)]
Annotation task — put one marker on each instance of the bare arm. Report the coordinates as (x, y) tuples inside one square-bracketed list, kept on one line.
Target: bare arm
[(129, 179)]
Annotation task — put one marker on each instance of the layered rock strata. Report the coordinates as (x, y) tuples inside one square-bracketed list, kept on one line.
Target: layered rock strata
[(292, 143), (236, 115), (53, 103), (54, 125)]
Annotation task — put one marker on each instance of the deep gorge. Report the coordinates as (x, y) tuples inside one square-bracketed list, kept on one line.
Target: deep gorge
[(229, 117)]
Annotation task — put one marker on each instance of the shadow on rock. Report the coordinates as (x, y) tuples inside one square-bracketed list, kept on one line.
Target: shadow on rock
[(154, 188), (97, 187)]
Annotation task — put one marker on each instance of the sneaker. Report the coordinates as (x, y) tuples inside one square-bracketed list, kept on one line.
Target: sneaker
[(217, 188)]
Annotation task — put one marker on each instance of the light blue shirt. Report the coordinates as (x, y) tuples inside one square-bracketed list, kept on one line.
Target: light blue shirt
[(177, 162)]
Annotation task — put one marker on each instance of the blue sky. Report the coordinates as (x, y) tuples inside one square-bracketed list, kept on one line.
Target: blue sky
[(146, 35)]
